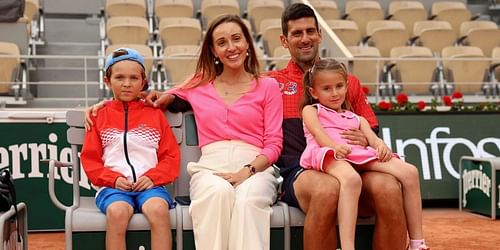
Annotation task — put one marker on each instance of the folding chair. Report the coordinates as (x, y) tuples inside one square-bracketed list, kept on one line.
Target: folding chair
[(468, 75)]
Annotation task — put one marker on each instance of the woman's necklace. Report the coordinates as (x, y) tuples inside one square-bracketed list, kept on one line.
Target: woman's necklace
[(237, 88)]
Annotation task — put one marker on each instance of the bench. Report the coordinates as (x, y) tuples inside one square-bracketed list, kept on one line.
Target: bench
[(84, 222)]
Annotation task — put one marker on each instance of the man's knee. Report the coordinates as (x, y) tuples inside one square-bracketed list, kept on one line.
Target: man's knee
[(381, 192), (318, 190)]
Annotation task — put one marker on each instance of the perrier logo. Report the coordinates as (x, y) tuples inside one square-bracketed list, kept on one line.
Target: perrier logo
[(475, 179)]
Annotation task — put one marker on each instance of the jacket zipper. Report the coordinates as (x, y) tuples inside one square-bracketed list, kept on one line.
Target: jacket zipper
[(125, 106)]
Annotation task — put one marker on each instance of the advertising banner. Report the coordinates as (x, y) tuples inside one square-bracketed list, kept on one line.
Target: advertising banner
[(434, 143)]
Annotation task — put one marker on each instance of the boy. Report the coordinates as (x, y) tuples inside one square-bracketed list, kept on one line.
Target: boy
[(130, 153)]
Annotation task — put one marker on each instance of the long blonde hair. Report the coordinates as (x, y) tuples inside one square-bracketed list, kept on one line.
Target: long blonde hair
[(308, 80), (207, 69)]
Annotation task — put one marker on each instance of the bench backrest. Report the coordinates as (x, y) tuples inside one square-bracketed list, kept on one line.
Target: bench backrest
[(183, 126)]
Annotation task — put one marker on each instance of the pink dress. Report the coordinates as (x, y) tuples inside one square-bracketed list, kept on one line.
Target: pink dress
[(334, 122)]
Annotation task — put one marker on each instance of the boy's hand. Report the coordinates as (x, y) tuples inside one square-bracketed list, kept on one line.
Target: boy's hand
[(92, 111), (384, 153), (355, 137), (123, 184), (142, 184), (341, 151)]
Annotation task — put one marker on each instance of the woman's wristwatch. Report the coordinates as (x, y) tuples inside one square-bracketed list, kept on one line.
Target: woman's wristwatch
[(251, 168)]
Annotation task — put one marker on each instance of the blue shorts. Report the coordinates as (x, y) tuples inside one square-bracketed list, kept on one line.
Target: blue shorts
[(107, 196), (287, 191)]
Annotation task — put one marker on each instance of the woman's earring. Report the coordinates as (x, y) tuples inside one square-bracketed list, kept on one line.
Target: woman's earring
[(217, 61), (248, 53)]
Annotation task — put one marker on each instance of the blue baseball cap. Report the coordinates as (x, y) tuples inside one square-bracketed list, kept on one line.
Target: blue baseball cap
[(131, 54), (128, 54)]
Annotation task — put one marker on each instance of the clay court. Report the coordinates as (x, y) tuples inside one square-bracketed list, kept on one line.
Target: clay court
[(445, 229)]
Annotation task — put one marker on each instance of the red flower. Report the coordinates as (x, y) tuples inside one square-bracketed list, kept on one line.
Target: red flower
[(365, 90), (421, 105), (402, 99), (456, 95), (383, 105), (447, 100)]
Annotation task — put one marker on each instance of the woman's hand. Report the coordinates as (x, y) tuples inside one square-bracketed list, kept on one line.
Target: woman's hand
[(237, 178), (355, 137), (143, 183), (123, 184), (341, 151), (158, 99), (92, 111)]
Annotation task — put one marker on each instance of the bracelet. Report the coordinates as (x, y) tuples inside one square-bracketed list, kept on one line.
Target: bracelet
[(251, 168)]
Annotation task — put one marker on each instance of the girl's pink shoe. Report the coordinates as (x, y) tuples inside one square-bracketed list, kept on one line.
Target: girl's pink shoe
[(421, 247)]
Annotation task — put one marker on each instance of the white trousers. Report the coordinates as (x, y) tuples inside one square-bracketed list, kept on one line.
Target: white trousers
[(225, 217)]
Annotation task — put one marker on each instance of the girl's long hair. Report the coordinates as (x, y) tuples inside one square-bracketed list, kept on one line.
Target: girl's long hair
[(206, 69), (308, 81)]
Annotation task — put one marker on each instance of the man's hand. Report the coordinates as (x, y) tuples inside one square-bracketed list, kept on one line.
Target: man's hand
[(341, 151), (123, 184), (142, 184), (92, 111), (355, 137), (158, 99)]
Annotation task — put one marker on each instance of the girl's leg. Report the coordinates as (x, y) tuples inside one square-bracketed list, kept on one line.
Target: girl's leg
[(407, 175), (156, 211), (117, 216), (350, 188)]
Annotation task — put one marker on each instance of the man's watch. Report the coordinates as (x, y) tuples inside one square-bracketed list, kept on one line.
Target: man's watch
[(251, 168)]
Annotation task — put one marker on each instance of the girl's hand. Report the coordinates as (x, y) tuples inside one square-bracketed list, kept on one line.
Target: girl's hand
[(341, 151), (237, 178), (384, 153), (143, 183), (123, 184)]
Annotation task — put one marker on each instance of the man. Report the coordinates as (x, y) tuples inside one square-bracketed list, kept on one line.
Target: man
[(314, 192)]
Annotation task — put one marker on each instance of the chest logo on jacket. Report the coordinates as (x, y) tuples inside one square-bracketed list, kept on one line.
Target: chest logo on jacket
[(289, 88)]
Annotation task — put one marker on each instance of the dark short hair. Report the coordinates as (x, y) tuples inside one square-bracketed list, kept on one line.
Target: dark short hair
[(296, 11)]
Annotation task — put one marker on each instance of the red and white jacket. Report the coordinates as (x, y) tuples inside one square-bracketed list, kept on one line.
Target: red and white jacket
[(130, 140)]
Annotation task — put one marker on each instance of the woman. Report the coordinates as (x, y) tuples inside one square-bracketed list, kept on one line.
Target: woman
[(238, 116)]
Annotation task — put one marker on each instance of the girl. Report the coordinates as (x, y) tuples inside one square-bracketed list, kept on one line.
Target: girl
[(326, 113)]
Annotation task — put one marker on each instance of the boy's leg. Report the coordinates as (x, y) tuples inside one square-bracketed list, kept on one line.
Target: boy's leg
[(118, 215), (317, 194), (118, 207), (155, 204), (156, 211), (381, 196), (350, 188)]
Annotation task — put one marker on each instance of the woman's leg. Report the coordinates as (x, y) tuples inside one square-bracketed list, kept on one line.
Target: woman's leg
[(212, 200), (251, 217), (156, 211), (118, 215), (407, 175), (350, 188)]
